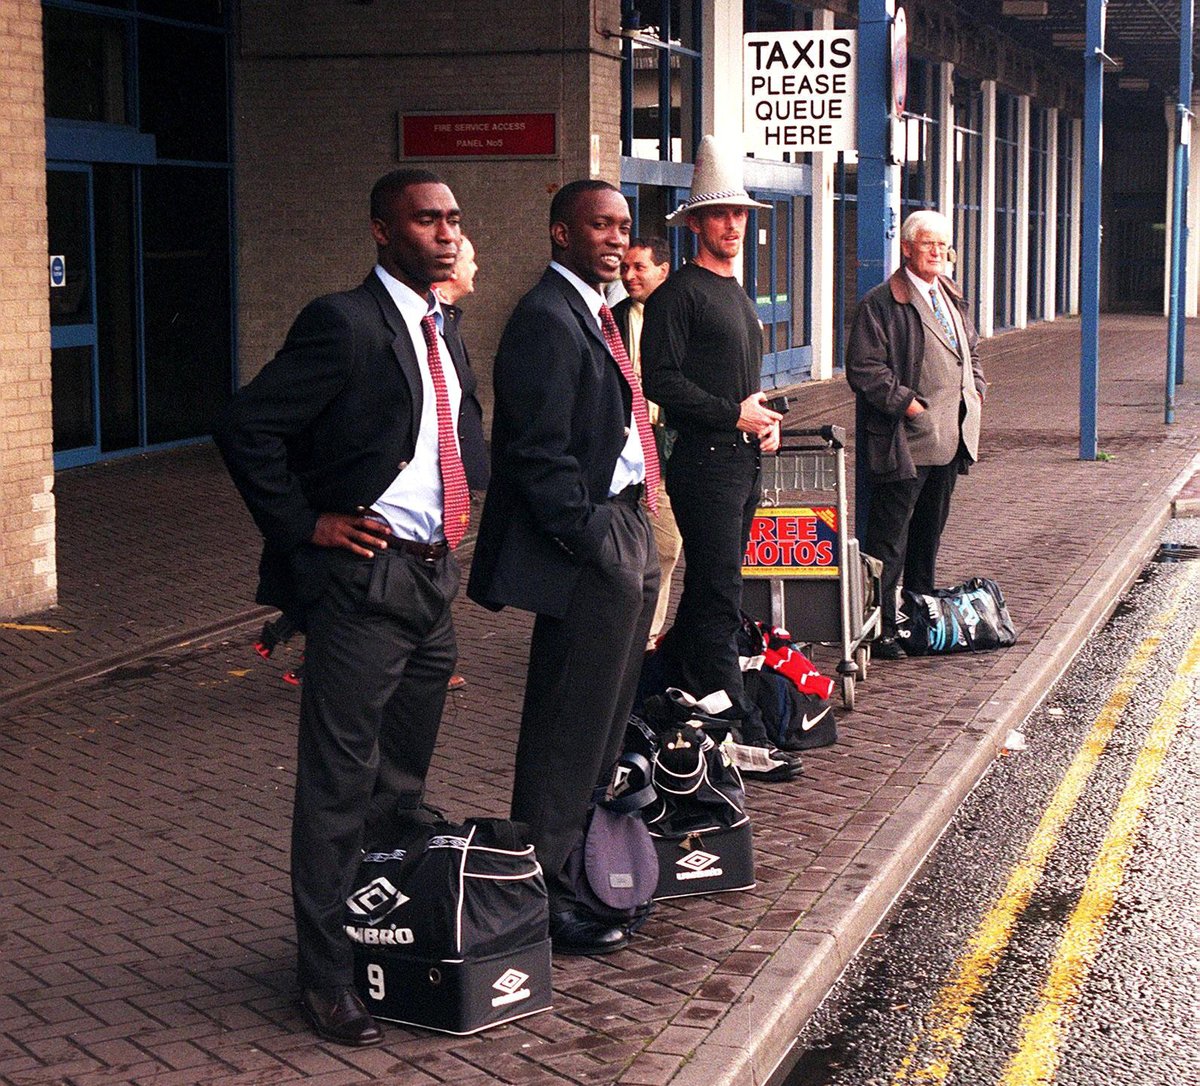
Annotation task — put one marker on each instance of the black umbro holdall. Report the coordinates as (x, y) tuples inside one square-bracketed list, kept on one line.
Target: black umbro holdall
[(450, 926), (698, 822), (970, 617)]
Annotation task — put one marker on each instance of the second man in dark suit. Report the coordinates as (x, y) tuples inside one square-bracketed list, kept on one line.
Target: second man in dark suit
[(564, 534)]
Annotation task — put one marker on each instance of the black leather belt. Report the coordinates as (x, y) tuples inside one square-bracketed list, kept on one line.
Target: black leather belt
[(631, 495), (427, 552), (727, 438)]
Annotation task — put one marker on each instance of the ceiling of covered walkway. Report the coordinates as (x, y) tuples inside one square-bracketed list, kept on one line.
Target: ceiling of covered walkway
[(1141, 35)]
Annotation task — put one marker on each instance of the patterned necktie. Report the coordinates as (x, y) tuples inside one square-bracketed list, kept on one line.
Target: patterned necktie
[(456, 495), (942, 319), (640, 415)]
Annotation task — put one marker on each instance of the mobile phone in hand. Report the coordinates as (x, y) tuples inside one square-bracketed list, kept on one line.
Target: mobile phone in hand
[(780, 404)]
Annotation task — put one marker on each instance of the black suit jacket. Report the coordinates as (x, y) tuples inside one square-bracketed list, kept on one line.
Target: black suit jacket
[(326, 426), (561, 416)]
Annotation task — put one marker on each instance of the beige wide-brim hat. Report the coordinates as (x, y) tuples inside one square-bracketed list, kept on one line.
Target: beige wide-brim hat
[(717, 179)]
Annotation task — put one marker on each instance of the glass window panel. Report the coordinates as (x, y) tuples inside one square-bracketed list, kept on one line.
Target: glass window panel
[(181, 77), (85, 62), (684, 30), (71, 398), (919, 173), (70, 236), (186, 290), (683, 114), (209, 12), (968, 186), (800, 287), (1006, 210), (116, 312)]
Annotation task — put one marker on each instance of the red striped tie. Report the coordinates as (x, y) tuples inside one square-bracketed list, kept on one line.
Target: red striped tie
[(456, 494), (641, 416)]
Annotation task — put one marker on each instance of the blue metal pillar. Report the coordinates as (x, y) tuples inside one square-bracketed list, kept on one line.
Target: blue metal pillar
[(1089, 247), (876, 215), (1179, 228)]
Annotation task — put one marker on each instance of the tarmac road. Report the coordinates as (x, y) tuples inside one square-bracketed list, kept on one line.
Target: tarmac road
[(1054, 934)]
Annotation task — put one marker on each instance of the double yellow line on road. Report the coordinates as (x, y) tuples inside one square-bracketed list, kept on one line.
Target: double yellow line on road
[(931, 1052), (1042, 1029)]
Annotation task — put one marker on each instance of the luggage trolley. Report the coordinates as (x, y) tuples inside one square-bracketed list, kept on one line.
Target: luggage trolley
[(802, 568)]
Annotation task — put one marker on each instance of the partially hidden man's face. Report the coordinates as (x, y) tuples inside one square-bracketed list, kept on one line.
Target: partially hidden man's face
[(719, 229), (925, 255), (594, 236), (641, 276), (465, 267), (419, 235)]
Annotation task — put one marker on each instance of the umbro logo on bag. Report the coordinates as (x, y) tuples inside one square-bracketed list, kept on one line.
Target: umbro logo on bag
[(698, 865), (511, 987), (375, 900)]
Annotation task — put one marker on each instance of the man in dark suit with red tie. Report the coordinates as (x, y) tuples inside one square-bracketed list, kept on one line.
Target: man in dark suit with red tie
[(564, 534), (354, 448)]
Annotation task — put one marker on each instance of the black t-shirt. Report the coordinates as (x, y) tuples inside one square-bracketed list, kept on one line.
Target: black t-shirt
[(701, 349)]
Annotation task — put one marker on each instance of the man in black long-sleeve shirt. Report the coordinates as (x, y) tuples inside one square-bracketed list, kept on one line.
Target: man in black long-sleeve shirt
[(701, 358)]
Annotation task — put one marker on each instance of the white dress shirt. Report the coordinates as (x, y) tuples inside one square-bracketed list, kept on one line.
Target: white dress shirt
[(412, 504), (631, 464)]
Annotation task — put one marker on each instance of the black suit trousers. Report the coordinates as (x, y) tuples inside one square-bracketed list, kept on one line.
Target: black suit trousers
[(904, 530), (583, 674), (379, 652)]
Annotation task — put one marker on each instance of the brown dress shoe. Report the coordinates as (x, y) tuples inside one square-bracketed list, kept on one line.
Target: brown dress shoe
[(338, 1015)]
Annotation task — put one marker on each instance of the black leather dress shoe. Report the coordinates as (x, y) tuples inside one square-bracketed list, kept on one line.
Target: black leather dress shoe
[(887, 648), (338, 1015), (572, 933)]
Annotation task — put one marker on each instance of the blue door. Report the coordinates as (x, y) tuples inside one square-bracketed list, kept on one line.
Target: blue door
[(73, 332)]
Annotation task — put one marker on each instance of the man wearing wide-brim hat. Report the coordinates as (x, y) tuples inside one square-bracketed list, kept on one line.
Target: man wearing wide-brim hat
[(701, 357)]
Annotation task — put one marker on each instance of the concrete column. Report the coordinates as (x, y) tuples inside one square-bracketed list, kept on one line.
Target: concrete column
[(946, 141), (1191, 308), (28, 579), (1171, 116), (1076, 208), (721, 97), (987, 214), (1050, 250), (823, 287), (1021, 254)]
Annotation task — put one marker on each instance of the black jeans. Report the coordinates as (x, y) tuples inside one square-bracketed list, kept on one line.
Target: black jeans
[(714, 489), (904, 530), (380, 649)]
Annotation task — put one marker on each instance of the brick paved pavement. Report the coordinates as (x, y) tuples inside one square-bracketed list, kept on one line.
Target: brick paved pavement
[(146, 932)]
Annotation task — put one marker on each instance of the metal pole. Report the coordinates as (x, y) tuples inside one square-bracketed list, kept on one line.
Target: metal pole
[(1089, 250), (876, 215), (1176, 328)]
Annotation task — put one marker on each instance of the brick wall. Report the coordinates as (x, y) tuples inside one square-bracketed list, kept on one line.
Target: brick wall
[(319, 90), (27, 572)]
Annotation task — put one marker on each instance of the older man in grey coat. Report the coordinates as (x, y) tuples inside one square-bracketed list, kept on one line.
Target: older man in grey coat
[(911, 358)]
